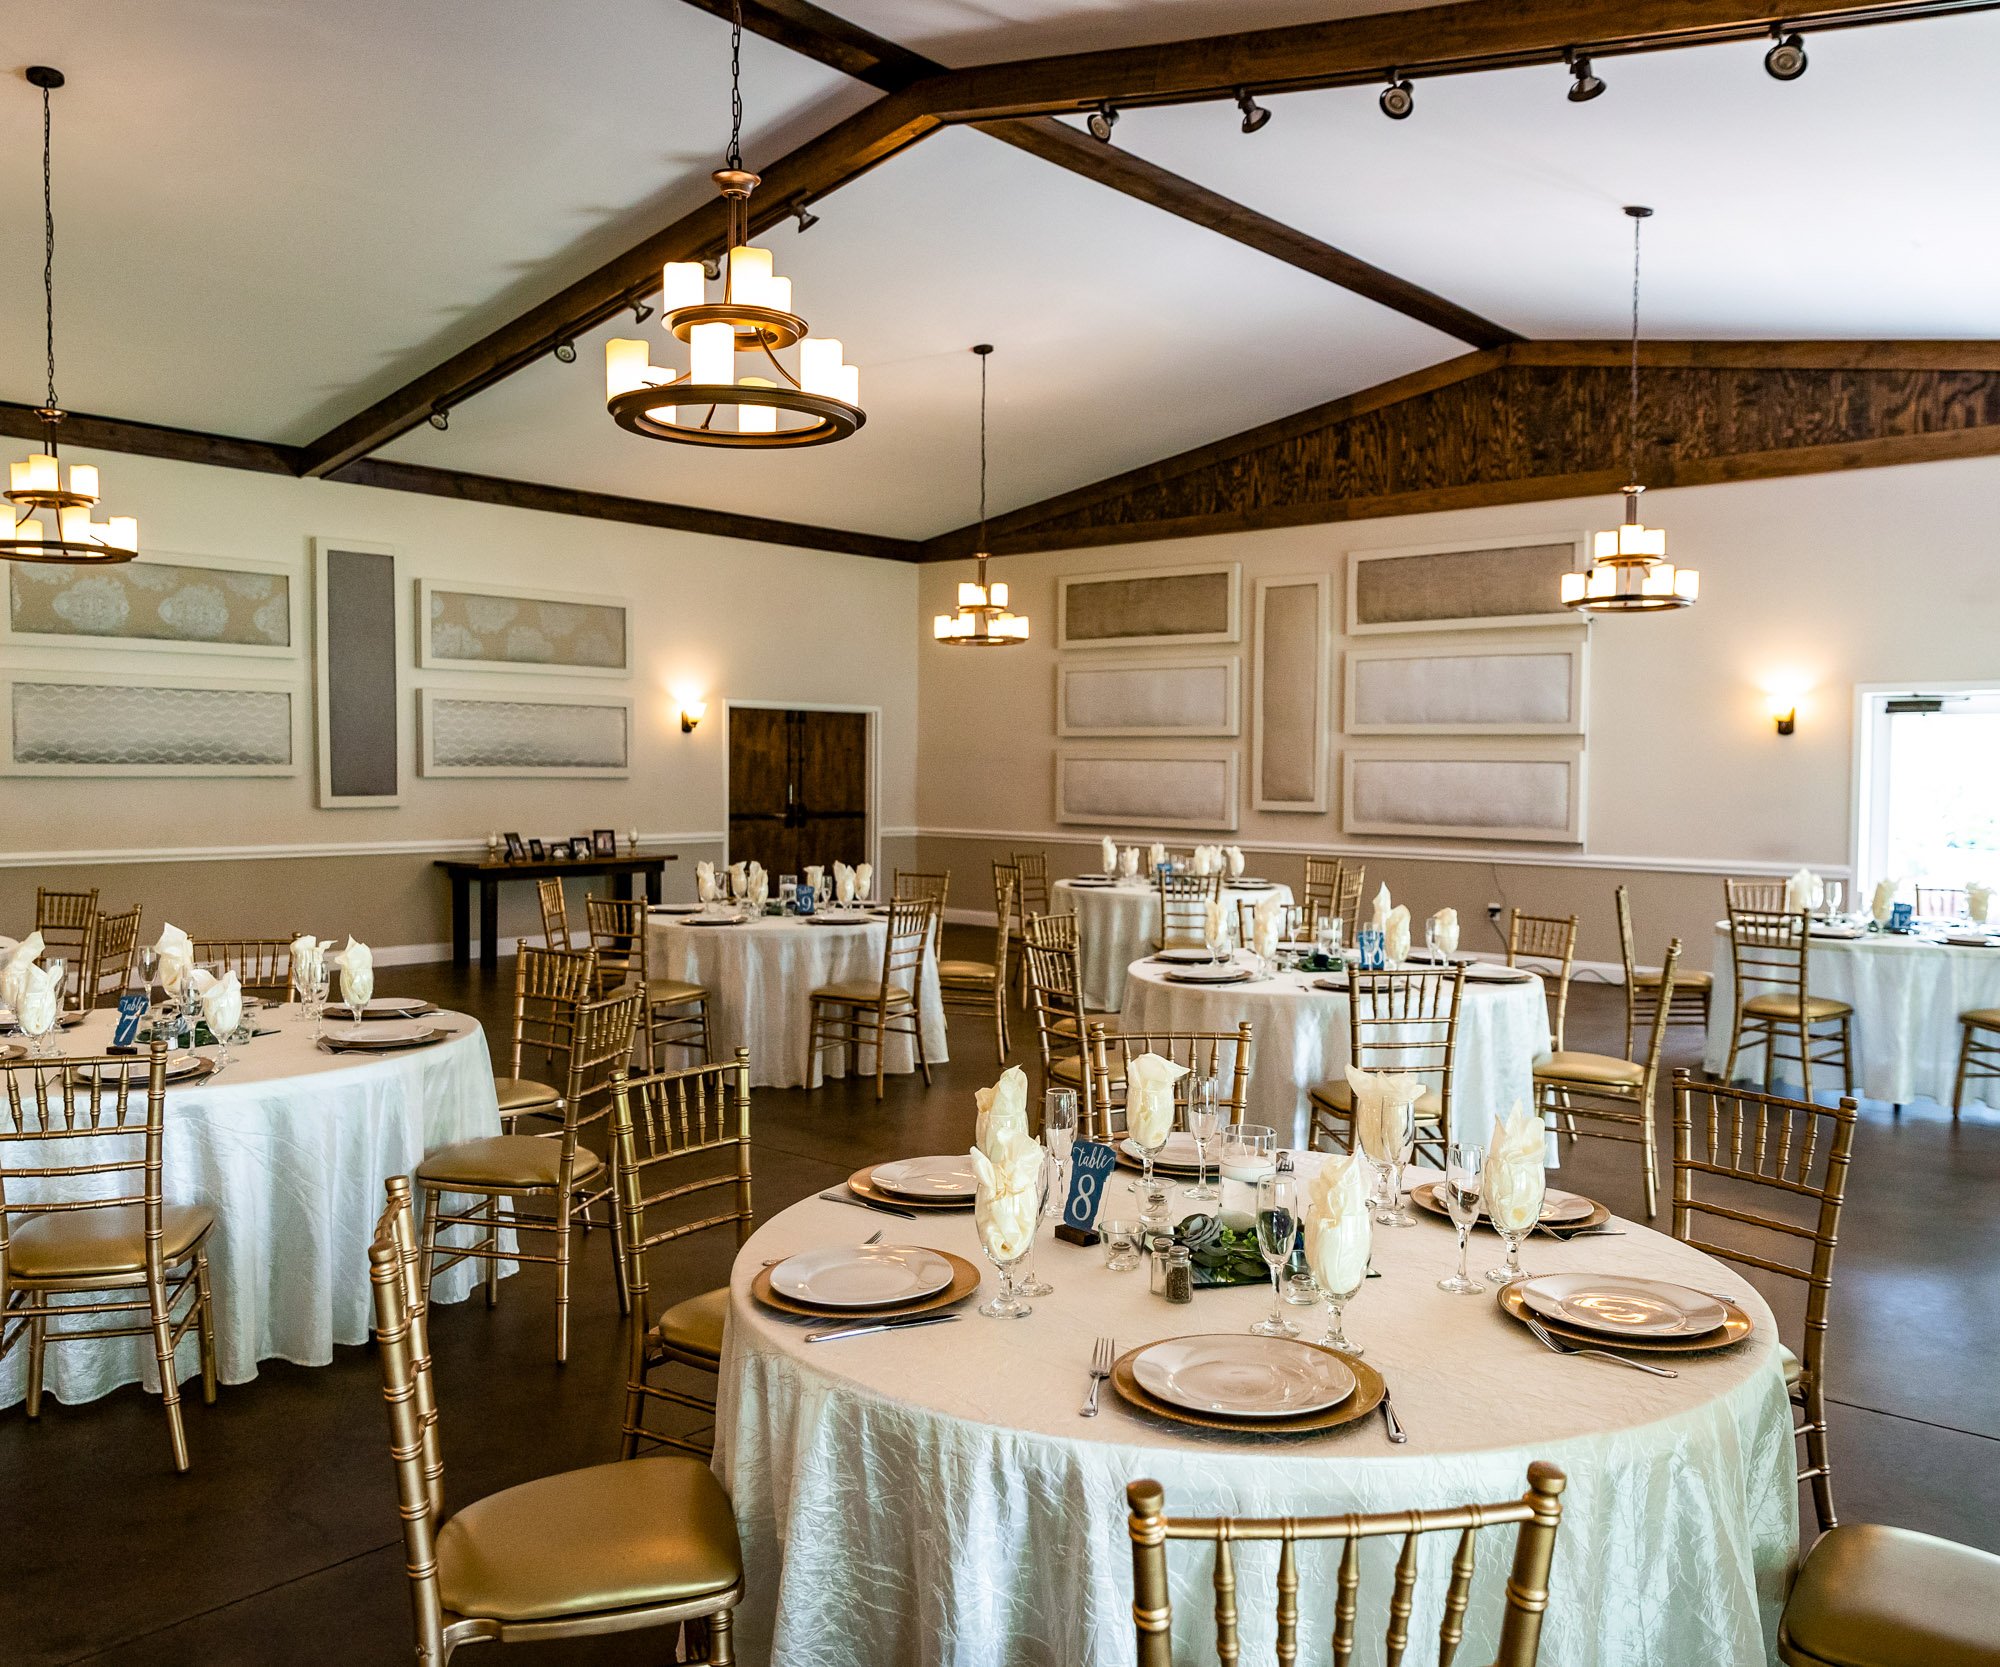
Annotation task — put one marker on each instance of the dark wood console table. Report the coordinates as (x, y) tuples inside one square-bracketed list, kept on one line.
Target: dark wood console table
[(490, 876)]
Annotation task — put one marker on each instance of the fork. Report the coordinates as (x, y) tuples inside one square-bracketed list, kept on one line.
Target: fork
[(1556, 1346), (1101, 1357)]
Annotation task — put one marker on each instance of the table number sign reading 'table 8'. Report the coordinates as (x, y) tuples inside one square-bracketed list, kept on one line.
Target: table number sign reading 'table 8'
[(1089, 1163)]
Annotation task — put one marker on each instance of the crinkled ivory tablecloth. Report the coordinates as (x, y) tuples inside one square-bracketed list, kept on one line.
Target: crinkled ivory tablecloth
[(1118, 923), (933, 1496), (289, 1146)]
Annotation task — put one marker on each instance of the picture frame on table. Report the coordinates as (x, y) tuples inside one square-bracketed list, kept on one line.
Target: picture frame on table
[(516, 850), (604, 842), (537, 852), (579, 848)]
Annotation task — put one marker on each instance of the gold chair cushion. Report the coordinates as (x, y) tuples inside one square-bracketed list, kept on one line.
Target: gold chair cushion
[(861, 994), (1598, 1070), (1682, 981), (103, 1243), (1871, 1596), (518, 1094), (503, 1161), (1339, 1097), (1070, 1071), (1793, 1368), (695, 1326), (966, 972), (1776, 1006), (1988, 1017), (671, 992), (614, 1536)]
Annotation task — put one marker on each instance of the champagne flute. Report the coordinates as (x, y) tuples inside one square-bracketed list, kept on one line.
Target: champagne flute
[(1204, 1123), (1387, 1133), (1026, 1283), (315, 992), (58, 970), (1277, 1231), (149, 966), (1463, 1163)]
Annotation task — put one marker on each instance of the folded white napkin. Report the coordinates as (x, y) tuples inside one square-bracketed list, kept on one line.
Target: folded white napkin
[(1128, 863), (1235, 855), (1382, 906), (1199, 862), (1884, 902), (1513, 1179), (864, 879), (739, 879), (1110, 849), (1337, 1231), (308, 959), (1003, 1112), (1804, 891), (1444, 927), (1267, 922), (815, 872), (1385, 1112), (12, 977), (1396, 935), (843, 883), (1149, 1099), (1156, 853), (704, 881), (176, 958), (221, 1002), (1978, 903), (1007, 1195), (357, 973), (1217, 918), (34, 1001), (760, 887)]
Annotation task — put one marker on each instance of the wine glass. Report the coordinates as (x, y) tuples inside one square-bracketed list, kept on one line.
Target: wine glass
[(149, 966), (1026, 1284), (312, 996), (58, 970), (1336, 1305), (1514, 1212), (1006, 1303), (1277, 1231), (1215, 933), (1387, 1132), (1463, 1162), (38, 1024), (1059, 1110), (1153, 1209), (788, 884), (1204, 1123)]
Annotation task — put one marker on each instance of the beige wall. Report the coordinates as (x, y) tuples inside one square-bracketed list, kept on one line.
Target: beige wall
[(716, 614), (1879, 575)]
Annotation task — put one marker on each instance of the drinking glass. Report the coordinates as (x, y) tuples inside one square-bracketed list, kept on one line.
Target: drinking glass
[(1386, 1139), (1515, 1217), (788, 884), (58, 970), (41, 1037), (1204, 1123), (1059, 1135), (1277, 1231), (1026, 1284), (1463, 1163), (1152, 1190), (1834, 895), (1431, 939), (1246, 1157), (312, 998), (1121, 1244), (1336, 1305)]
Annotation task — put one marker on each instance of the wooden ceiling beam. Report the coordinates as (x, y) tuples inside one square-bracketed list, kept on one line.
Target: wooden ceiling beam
[(177, 445), (815, 33)]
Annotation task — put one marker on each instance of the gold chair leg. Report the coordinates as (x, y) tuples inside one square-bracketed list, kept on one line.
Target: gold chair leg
[(204, 1325), (38, 1346), (1805, 1058), (618, 1243), (1817, 1459), (492, 1242), (1846, 1055), (1735, 1046), (721, 1640), (882, 1050), (917, 1036), (707, 1036), (563, 1237), (635, 1411), (1964, 1059), (170, 1388)]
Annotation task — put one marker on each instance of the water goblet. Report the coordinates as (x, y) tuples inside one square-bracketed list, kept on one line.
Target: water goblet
[(1215, 937), (1514, 1212), (1463, 1163), (1277, 1232), (1387, 1132), (1204, 1123), (788, 885), (39, 1026), (1006, 1303)]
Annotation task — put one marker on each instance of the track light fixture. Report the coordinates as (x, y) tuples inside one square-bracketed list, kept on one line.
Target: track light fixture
[(711, 267), (566, 353), (1398, 99), (641, 311), (1102, 120), (1254, 114), (805, 216), (1586, 86), (440, 419), (1786, 61)]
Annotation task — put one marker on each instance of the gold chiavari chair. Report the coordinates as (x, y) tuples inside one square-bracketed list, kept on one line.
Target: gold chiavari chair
[(64, 919), (930, 887), (1333, 887), (1978, 1053), (1055, 1003), (1613, 1098), (610, 1548), (499, 1171), (1546, 944), (981, 986), (1940, 903), (1224, 1055), (681, 1136), (549, 986), (1017, 922), (114, 941), (1762, 896), (555, 914), (1403, 1020), (1291, 921), (119, 1250), (1773, 1172), (1693, 994), (263, 966), (676, 1010), (1538, 1511), (1769, 952), (1873, 1596), (1034, 870), (849, 1017), (1184, 901)]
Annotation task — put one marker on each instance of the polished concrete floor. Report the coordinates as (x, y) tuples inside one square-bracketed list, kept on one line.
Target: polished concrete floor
[(281, 1544)]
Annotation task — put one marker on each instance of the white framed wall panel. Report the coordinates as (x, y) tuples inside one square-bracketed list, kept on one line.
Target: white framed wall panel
[(1511, 795), (464, 626), (178, 604), (71, 724), (478, 732), (1150, 607), (1492, 584), (360, 647), (1189, 694), (1293, 688), (1525, 688), (1187, 787)]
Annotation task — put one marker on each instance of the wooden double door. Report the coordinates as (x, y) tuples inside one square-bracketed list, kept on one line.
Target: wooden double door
[(798, 788)]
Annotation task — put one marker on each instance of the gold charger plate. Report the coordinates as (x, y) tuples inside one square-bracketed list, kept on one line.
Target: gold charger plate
[(862, 1184), (964, 1281), (416, 1010), (1178, 1171), (1366, 1398), (1736, 1326), (204, 1068), (387, 1044), (1424, 1196)]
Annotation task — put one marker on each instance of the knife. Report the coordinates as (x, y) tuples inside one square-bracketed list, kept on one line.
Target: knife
[(881, 1325), (864, 1204)]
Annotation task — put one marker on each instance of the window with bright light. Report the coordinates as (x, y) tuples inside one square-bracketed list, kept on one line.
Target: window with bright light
[(1930, 780)]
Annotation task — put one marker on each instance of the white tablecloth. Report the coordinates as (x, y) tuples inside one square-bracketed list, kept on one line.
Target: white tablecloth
[(1907, 994), (933, 1498), (1301, 1039), (289, 1146), (1118, 923), (760, 976)]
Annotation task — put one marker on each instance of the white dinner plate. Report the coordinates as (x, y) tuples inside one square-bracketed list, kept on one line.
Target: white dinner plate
[(1092, 880), (1249, 882), (1494, 973), (383, 1037), (1243, 1377), (943, 1177), (384, 1007), (1623, 1307), (180, 1063), (861, 1276), (1224, 974), (1184, 955), (1178, 1153)]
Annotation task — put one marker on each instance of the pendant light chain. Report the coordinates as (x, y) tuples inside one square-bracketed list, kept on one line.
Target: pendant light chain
[(49, 247), (735, 157), (982, 453), (1632, 416)]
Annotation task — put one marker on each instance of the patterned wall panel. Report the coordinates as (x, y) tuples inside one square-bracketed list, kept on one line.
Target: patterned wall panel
[(165, 604), (1155, 697), (1294, 631), (490, 735), (1190, 788), (1508, 691), (1157, 606), (471, 629), (1455, 588), (58, 727), (1489, 796)]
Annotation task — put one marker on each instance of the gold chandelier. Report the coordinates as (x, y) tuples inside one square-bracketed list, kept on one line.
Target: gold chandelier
[(982, 620), (1629, 572), (51, 520), (818, 404)]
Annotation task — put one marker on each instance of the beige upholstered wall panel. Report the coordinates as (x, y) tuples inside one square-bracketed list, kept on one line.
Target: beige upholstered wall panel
[(1157, 605), (1290, 764), (1513, 691), (1494, 797), (1164, 697), (1192, 788), (1432, 590)]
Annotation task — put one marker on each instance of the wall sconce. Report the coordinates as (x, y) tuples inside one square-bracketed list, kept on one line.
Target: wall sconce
[(1781, 696), (692, 712), (1784, 713)]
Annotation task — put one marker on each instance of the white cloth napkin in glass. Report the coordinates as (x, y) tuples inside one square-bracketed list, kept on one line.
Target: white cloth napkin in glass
[(704, 881), (864, 879), (176, 958), (1383, 1104), (1978, 903), (1805, 891), (221, 1002), (1884, 901), (1216, 919), (1003, 1111), (815, 873), (1235, 856), (15, 974), (357, 974), (1396, 934), (1444, 928), (1382, 907), (34, 1002), (1156, 853), (308, 959), (1110, 852), (1337, 1230), (1128, 863), (1512, 1183), (1149, 1098), (1267, 921), (1007, 1168), (843, 883)]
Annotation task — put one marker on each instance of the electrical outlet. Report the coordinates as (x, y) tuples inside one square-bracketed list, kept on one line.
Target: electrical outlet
[(1494, 911)]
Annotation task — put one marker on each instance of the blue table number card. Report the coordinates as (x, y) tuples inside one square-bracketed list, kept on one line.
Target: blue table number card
[(1089, 1163), (130, 1009), (1899, 917)]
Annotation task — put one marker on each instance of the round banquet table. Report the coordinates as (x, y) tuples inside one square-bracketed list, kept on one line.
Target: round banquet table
[(1301, 1039), (933, 1497), (760, 975), (289, 1145), (1907, 994), (1118, 923)]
